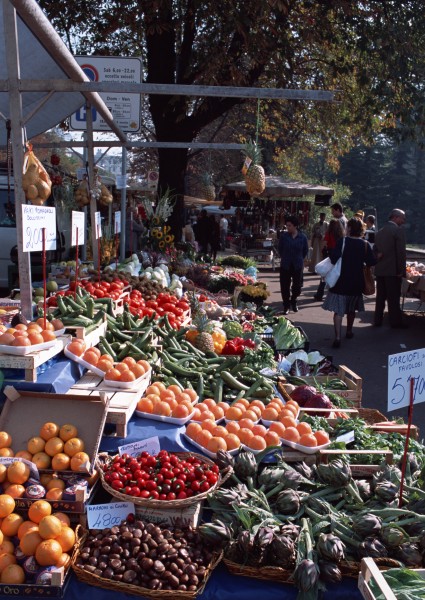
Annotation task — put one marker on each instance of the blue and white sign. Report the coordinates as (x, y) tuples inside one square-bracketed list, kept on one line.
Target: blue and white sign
[(124, 107), (402, 368), (102, 516)]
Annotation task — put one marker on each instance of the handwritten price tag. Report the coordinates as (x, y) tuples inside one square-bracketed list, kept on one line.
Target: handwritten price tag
[(117, 222), (346, 437), (77, 222), (401, 369), (100, 516), (150, 445), (34, 220), (98, 224)]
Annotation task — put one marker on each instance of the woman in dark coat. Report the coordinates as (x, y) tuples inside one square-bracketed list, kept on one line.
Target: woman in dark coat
[(346, 297)]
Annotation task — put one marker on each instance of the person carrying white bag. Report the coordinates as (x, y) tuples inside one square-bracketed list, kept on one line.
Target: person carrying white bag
[(345, 296)]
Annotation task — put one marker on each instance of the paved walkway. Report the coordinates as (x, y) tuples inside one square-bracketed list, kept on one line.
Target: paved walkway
[(367, 353)]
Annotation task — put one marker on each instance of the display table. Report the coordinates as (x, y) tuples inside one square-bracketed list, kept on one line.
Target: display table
[(413, 287)]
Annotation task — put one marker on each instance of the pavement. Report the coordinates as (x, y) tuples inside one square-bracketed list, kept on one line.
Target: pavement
[(367, 352)]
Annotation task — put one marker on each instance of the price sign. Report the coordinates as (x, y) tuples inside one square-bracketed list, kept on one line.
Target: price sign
[(150, 445), (117, 222), (77, 222), (101, 516), (401, 369), (346, 437), (246, 165), (81, 173), (98, 224), (121, 181), (34, 220)]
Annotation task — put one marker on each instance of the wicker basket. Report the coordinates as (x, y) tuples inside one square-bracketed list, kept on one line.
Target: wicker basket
[(265, 573), (352, 568), (104, 458), (128, 588)]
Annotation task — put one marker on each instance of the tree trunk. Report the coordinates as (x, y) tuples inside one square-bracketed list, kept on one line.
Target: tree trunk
[(172, 169)]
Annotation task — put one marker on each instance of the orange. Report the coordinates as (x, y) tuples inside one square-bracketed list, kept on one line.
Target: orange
[(269, 414), (203, 438), (113, 375), (73, 446), (18, 472), (246, 423), (121, 367), (250, 414), (219, 431), (6, 560), (80, 461), (291, 435), (180, 411), (287, 421), (277, 427), (215, 444), (162, 408), (6, 452), (63, 518), (35, 338), (245, 435), (259, 430), (63, 561), (175, 389), (49, 527), (206, 414), (35, 444), (60, 461), (29, 542), (66, 538), (138, 370), (308, 439), (6, 339), (145, 405), (7, 547), (21, 327), (218, 412), (11, 524), (182, 397), (54, 494), (12, 574), (7, 505), (48, 335), (67, 432), (232, 441), (172, 402), (272, 438), (38, 510), (224, 406), (45, 478), (209, 402), (292, 406), (303, 428), (41, 460), (75, 348), (128, 376), (203, 407), (321, 436), (23, 454), (233, 427), (244, 401), (254, 409), (3, 473), (104, 364), (91, 357), (259, 403), (35, 327), (208, 425), (48, 552), (257, 442), (5, 439), (129, 360), (55, 445), (26, 527), (241, 406), (192, 393), (234, 413), (192, 430), (196, 414), (147, 366), (16, 490), (277, 400)]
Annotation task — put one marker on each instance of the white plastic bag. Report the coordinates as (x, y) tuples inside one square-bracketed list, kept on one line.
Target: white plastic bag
[(323, 267), (333, 275)]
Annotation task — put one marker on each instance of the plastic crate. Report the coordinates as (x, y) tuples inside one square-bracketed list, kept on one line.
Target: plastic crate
[(281, 352)]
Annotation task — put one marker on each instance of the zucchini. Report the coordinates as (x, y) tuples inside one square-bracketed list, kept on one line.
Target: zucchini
[(232, 382)]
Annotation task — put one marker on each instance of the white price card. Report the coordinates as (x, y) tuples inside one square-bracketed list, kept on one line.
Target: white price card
[(102, 516), (150, 445), (117, 222), (98, 224), (121, 181), (401, 369), (34, 220), (77, 223), (346, 437), (81, 173)]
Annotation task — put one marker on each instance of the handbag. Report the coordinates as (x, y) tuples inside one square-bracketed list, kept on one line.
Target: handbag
[(323, 267), (333, 274), (369, 282)]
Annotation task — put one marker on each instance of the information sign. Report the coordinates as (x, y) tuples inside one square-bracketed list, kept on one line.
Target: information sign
[(98, 224), (104, 516), (117, 222), (34, 220), (121, 181), (401, 369), (150, 445), (77, 223)]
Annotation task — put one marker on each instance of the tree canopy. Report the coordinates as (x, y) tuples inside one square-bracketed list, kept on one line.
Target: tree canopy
[(370, 51)]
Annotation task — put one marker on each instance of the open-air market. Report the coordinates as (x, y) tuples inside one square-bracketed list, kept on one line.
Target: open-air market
[(212, 298)]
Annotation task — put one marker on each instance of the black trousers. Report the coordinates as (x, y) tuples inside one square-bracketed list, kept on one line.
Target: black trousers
[(388, 289), (291, 282)]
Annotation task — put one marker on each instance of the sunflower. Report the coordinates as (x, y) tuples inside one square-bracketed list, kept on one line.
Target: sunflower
[(154, 233), (159, 234), (161, 244), (169, 239), (155, 220)]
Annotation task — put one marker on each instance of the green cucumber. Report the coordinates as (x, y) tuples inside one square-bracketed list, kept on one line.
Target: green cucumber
[(232, 382)]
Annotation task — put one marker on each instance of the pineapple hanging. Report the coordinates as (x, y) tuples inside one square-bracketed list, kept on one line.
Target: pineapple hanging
[(206, 189), (255, 179), (203, 340)]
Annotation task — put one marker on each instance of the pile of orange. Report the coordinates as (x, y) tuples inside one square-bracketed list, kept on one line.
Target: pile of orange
[(34, 333), (210, 409), (302, 434), (171, 401), (126, 371), (46, 536), (244, 409), (285, 413)]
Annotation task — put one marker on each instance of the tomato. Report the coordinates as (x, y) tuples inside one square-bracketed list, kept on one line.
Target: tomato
[(152, 304), (178, 311), (99, 293), (183, 305)]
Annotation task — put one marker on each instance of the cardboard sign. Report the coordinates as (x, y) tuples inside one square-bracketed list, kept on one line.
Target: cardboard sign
[(77, 222), (98, 224), (401, 369), (34, 220), (117, 222), (150, 445), (101, 516)]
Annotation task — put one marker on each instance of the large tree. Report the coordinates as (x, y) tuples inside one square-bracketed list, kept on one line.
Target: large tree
[(372, 51)]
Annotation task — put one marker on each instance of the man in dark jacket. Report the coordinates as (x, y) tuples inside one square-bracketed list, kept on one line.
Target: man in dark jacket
[(390, 246), (293, 248)]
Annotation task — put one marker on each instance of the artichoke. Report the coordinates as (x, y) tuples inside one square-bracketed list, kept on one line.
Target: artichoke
[(270, 477), (290, 530), (364, 489), (303, 469), (262, 540), (306, 575), (417, 506), (337, 473), (412, 462), (221, 498), (410, 555), (392, 537), (329, 571), (224, 459), (292, 479), (366, 525), (330, 547), (388, 473), (217, 534), (245, 465), (372, 547), (245, 542), (386, 490), (288, 502), (281, 552)]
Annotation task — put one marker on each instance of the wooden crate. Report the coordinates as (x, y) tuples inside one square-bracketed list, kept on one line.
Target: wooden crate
[(359, 471), (30, 362), (354, 384), (122, 403), (93, 337), (369, 570)]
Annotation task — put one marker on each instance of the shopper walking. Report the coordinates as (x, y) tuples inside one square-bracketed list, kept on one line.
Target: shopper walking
[(338, 213), (334, 233), (346, 297), (293, 248), (390, 246), (370, 229), (318, 241)]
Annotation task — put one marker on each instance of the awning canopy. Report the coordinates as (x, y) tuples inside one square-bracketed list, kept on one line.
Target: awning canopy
[(277, 187), (193, 201)]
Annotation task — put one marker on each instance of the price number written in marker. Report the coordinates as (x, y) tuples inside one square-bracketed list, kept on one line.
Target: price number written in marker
[(34, 220), (402, 368), (100, 516)]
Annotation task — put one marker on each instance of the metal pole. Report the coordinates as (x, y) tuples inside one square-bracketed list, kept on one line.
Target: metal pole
[(93, 201), (15, 107), (85, 211), (123, 204)]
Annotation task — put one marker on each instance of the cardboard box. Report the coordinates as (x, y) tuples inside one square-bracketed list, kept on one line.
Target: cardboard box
[(32, 590), (25, 412), (370, 570)]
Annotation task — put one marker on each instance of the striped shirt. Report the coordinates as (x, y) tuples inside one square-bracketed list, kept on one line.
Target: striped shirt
[(292, 250)]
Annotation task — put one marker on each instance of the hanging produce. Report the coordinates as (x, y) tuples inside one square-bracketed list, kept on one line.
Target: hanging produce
[(206, 189), (82, 195), (36, 182), (255, 178), (105, 196)]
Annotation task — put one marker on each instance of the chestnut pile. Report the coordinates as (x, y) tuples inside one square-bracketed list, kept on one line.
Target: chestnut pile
[(147, 555)]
